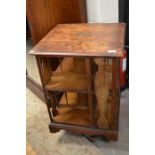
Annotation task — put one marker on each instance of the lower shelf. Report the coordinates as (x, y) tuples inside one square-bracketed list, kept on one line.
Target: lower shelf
[(69, 115)]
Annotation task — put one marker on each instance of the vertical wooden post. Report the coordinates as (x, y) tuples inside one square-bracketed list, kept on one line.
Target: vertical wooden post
[(49, 67), (90, 90), (53, 102), (115, 92)]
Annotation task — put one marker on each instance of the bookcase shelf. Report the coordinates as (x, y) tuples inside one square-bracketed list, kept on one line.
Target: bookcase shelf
[(70, 115), (67, 81)]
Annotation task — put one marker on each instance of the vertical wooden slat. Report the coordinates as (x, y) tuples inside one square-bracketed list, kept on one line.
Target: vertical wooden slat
[(54, 103), (49, 67), (90, 90), (116, 93), (44, 68), (56, 99), (43, 86), (113, 94)]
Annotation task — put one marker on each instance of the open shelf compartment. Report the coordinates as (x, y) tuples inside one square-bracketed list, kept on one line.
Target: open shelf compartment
[(74, 100), (67, 81), (73, 109), (70, 115)]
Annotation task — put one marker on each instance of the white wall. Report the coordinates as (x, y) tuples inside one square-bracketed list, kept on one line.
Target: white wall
[(102, 11)]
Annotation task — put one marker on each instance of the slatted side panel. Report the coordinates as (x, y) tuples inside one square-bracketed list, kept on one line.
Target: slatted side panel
[(45, 76), (106, 86)]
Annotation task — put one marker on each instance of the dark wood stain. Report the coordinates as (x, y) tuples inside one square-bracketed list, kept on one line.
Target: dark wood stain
[(83, 40), (88, 80)]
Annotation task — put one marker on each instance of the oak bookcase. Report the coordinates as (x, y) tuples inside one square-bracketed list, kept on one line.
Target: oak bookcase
[(83, 93)]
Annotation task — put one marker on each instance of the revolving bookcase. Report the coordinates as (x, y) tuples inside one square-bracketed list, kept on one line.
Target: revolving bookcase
[(79, 70)]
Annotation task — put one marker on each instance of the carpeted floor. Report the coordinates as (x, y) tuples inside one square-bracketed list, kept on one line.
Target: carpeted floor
[(65, 143)]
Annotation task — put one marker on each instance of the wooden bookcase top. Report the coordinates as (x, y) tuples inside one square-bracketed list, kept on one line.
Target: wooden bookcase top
[(83, 40)]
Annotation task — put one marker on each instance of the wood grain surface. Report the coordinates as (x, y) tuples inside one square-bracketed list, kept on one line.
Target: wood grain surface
[(67, 82), (71, 115), (86, 66), (43, 15), (102, 84), (75, 100), (83, 40)]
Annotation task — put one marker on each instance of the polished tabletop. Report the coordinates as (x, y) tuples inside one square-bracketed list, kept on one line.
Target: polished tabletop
[(83, 40)]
